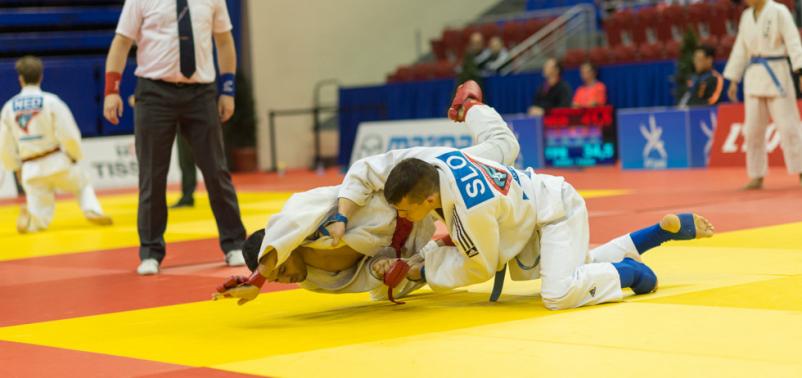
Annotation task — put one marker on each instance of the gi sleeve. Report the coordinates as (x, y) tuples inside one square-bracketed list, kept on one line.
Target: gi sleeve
[(66, 130), (368, 175), (790, 34), (495, 140), (474, 258), (739, 57), (8, 144)]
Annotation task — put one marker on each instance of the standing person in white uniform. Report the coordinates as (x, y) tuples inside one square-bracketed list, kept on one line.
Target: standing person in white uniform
[(767, 38), (497, 214), (38, 135)]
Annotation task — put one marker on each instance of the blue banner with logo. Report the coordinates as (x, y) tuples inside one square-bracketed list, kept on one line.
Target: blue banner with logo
[(529, 131), (662, 138)]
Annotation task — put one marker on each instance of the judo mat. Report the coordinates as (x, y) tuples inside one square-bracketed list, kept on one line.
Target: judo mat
[(731, 306)]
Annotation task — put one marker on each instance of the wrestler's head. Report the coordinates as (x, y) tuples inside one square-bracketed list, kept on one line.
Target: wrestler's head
[(413, 189), (292, 270)]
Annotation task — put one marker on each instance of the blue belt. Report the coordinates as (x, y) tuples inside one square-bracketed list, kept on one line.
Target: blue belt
[(764, 61)]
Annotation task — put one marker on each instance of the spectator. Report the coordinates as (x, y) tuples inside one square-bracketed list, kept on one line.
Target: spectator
[(705, 86), (554, 93), (493, 57), (470, 68), (593, 92)]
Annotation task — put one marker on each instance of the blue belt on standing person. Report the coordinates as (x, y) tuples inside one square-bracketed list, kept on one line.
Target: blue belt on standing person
[(764, 61)]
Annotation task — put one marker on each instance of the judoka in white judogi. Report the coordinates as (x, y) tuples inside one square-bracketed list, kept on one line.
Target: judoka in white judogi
[(39, 136), (765, 42)]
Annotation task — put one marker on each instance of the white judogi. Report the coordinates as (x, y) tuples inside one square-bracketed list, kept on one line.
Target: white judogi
[(369, 232), (38, 135), (772, 35), (496, 214), (370, 229)]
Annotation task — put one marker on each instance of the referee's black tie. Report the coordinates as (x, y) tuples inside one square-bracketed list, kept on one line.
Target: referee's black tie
[(185, 40)]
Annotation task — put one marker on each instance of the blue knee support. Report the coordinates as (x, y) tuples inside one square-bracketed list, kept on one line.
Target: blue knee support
[(653, 236), (636, 275)]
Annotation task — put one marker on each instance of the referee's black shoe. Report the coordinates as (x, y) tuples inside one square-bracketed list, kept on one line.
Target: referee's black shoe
[(184, 202)]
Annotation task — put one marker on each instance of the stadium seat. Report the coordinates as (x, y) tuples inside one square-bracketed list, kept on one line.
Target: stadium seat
[(452, 39), (490, 30), (673, 17), (672, 49), (624, 54), (439, 49), (718, 19), (710, 40), (443, 70), (699, 17), (513, 33), (651, 51), (599, 56), (725, 46), (574, 58), (649, 20)]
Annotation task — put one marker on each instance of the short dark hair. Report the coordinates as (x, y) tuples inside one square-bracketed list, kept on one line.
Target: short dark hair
[(557, 64), (251, 249), (590, 65), (30, 69), (411, 178), (708, 50)]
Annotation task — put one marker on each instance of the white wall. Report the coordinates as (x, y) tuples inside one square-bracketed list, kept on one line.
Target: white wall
[(296, 43)]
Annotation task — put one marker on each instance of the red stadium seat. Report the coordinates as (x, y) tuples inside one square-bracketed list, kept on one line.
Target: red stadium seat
[(624, 54), (719, 16), (710, 40), (599, 56), (439, 49), (443, 70), (672, 49), (513, 33), (533, 25), (452, 39), (574, 58), (673, 17), (490, 30), (699, 18), (649, 19), (618, 28), (651, 51), (725, 46)]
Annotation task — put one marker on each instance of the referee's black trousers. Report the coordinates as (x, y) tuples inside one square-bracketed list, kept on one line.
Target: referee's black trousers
[(160, 106)]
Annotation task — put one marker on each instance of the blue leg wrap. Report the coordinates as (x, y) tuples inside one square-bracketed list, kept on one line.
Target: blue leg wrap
[(636, 275), (653, 236)]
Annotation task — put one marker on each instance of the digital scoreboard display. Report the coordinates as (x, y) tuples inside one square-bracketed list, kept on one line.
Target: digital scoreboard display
[(579, 137)]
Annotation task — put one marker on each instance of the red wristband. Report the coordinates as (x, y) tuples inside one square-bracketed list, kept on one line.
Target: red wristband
[(256, 279), (112, 83)]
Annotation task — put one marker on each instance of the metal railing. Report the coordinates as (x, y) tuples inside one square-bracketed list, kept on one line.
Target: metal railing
[(576, 27)]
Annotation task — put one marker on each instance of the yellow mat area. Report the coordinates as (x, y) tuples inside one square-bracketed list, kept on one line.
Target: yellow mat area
[(71, 233), (721, 311)]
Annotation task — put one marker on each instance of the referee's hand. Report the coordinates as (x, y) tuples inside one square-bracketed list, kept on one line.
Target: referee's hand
[(225, 107), (113, 108)]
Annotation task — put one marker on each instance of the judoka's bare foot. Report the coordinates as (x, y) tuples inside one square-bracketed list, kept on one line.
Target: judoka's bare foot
[(98, 219), (754, 184), (672, 224), (24, 220)]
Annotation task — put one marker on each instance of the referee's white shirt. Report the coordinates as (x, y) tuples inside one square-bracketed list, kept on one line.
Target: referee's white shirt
[(153, 25)]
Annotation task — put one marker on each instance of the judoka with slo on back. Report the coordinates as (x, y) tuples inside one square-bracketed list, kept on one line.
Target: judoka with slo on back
[(767, 38), (312, 244), (496, 214)]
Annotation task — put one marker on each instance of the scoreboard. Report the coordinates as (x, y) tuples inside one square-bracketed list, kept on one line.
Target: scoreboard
[(580, 137)]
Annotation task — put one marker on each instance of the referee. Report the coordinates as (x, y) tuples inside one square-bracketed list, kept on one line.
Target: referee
[(176, 85)]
